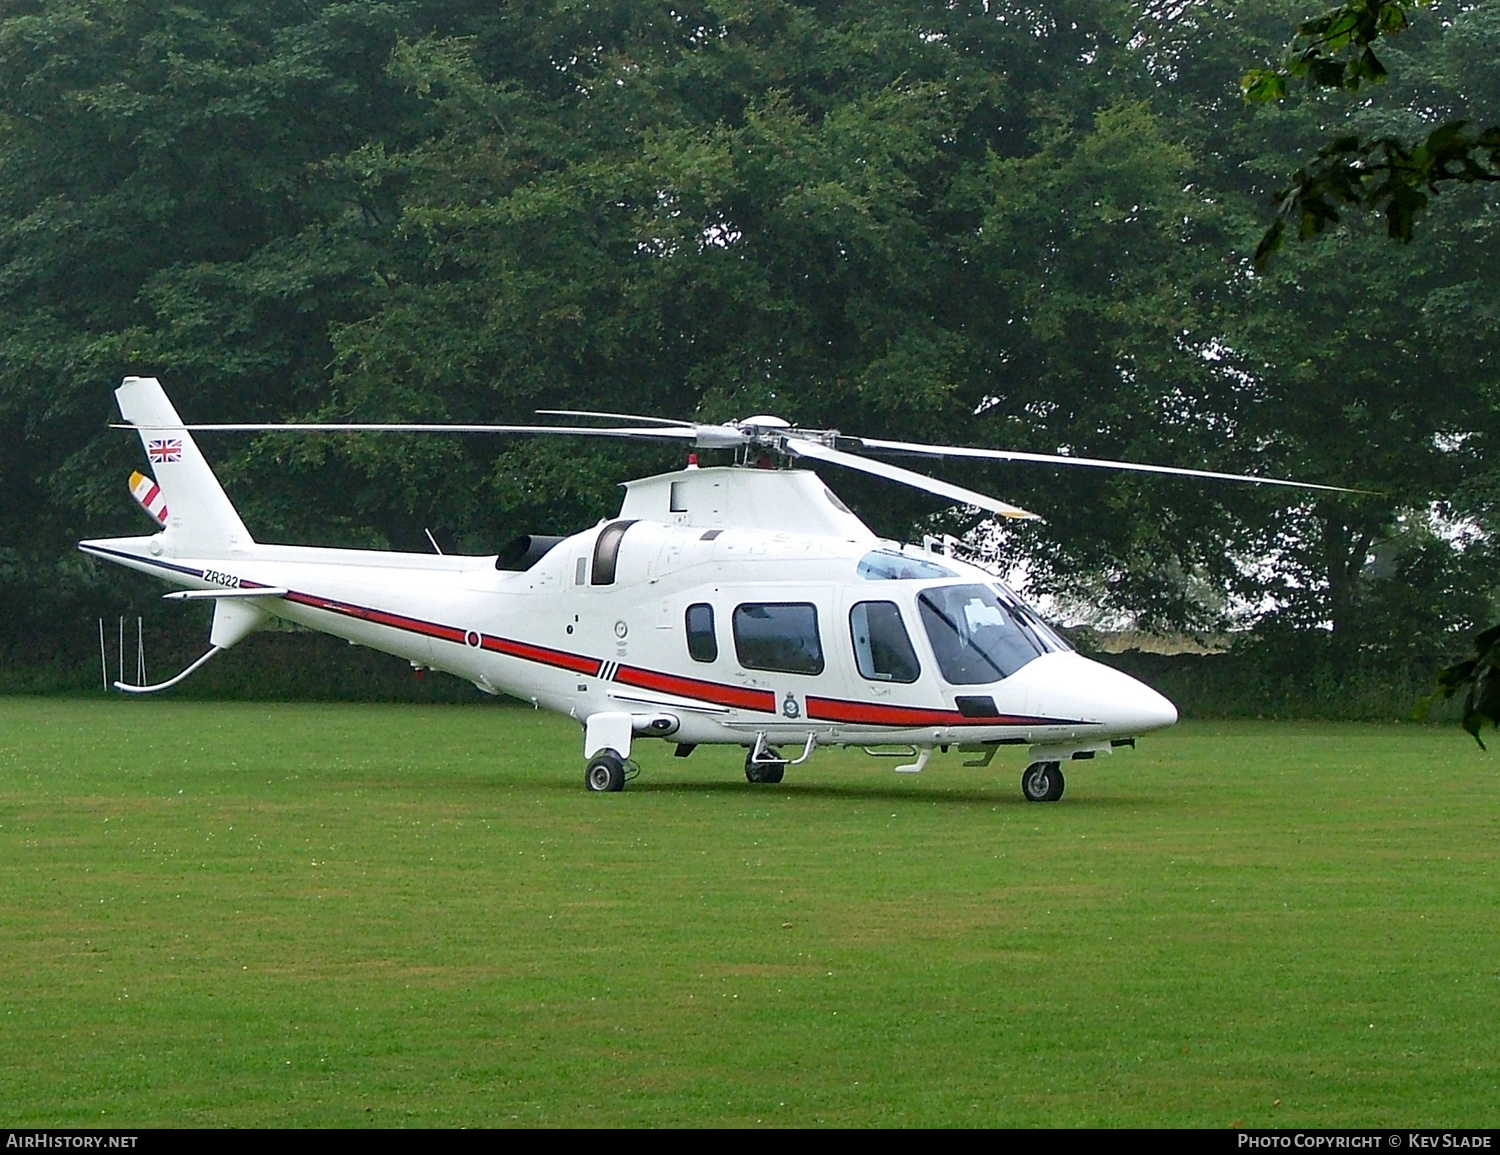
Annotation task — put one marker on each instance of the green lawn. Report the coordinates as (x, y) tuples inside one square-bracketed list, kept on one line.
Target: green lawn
[(220, 914)]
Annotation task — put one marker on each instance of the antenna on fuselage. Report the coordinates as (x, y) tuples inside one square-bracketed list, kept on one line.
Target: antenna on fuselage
[(140, 654)]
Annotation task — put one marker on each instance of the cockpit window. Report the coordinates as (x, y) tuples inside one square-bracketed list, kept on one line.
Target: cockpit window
[(887, 565), (976, 637), (1048, 638)]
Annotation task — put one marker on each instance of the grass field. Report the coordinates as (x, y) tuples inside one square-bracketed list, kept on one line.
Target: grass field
[(219, 914)]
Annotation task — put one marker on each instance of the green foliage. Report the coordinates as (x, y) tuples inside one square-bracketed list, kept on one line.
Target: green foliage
[(160, 212), (966, 224), (1337, 51), (1479, 678), (1288, 678), (1334, 50), (1386, 173)]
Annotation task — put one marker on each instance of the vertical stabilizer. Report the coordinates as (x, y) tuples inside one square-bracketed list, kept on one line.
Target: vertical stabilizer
[(200, 521)]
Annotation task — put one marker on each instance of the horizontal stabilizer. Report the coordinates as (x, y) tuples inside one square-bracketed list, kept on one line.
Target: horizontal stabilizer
[(218, 595)]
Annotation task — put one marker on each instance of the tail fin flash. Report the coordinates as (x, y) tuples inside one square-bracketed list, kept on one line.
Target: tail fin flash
[(198, 516), (149, 494)]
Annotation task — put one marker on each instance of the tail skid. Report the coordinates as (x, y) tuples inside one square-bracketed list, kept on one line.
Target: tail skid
[(170, 682), (236, 617)]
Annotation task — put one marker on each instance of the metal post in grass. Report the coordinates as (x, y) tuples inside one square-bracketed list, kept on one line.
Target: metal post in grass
[(103, 661)]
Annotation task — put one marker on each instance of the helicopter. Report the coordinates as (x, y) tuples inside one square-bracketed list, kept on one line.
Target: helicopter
[(740, 604)]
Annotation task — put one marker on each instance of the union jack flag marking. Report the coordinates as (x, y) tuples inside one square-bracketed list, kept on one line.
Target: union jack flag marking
[(169, 449)]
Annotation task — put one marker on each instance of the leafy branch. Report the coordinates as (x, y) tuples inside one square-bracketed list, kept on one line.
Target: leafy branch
[(1481, 675), (1336, 50), (1380, 174)]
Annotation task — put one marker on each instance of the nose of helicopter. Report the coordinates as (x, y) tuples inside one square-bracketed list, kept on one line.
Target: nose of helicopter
[(1142, 708), (1070, 685)]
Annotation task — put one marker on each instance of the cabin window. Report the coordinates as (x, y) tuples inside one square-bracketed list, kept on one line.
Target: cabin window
[(607, 552), (888, 565), (780, 636), (882, 649), (703, 643), (974, 635)]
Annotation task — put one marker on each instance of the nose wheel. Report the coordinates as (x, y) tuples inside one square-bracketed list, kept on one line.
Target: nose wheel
[(1042, 782), (605, 773)]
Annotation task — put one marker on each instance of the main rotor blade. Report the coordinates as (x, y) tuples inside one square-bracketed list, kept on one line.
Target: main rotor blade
[(615, 416), (816, 450), (673, 434), (920, 450)]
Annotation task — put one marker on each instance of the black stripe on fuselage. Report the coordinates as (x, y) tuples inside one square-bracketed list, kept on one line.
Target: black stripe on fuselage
[(151, 561)]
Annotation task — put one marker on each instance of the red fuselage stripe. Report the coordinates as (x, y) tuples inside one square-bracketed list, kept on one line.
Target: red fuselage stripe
[(525, 650), (836, 710), (745, 699), (379, 617), (548, 657), (764, 701)]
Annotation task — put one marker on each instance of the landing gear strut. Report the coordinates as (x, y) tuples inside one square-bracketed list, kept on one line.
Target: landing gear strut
[(1042, 782)]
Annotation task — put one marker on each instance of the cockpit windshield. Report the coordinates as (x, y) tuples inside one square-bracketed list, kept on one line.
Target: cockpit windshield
[(1029, 619), (888, 565), (982, 633)]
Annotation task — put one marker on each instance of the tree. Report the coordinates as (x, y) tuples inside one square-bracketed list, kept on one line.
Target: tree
[(165, 208), (976, 223), (1336, 51)]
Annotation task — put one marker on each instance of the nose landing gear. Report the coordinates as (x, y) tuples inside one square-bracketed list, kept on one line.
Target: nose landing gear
[(606, 773), (1042, 782)]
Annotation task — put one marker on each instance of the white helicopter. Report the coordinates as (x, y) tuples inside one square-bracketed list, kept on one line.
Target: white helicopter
[(738, 604)]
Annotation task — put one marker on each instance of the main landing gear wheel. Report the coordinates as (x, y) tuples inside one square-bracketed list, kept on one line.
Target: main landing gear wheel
[(605, 773), (771, 771), (1042, 782)]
